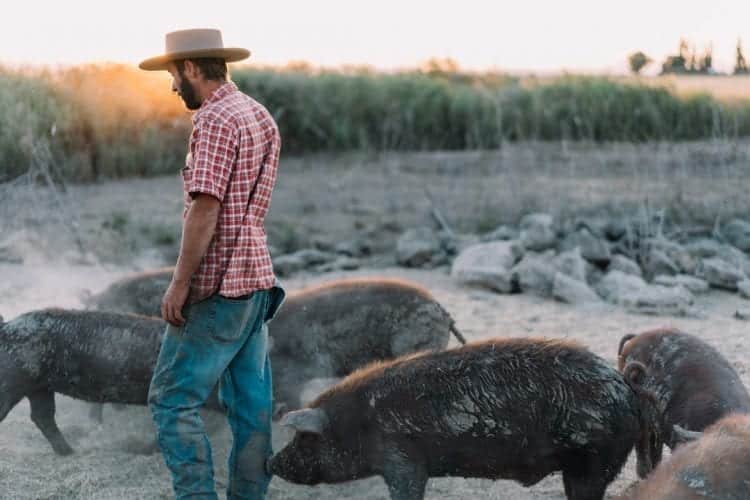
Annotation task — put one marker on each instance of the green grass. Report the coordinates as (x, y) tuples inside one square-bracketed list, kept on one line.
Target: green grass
[(113, 121)]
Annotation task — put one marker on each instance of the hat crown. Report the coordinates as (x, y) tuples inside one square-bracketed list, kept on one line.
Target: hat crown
[(193, 39)]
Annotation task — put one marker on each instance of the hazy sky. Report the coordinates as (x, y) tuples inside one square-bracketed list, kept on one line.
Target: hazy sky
[(551, 35)]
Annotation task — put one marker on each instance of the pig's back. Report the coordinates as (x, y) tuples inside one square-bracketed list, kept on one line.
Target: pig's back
[(484, 404), (346, 324)]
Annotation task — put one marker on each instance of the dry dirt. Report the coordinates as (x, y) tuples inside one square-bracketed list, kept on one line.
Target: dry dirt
[(316, 198)]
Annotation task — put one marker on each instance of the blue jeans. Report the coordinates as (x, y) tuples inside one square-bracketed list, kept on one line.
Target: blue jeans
[(223, 341)]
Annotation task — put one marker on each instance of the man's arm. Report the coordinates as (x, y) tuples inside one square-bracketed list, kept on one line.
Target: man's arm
[(198, 230)]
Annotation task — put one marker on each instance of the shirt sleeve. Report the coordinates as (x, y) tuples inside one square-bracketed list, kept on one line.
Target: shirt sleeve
[(214, 154)]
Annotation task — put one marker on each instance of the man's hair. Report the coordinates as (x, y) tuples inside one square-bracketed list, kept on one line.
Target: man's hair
[(212, 68)]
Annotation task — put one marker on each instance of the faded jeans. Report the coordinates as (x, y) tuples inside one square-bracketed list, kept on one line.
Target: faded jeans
[(223, 341)]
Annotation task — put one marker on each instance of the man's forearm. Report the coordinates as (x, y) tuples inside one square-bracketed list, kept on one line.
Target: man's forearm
[(198, 230)]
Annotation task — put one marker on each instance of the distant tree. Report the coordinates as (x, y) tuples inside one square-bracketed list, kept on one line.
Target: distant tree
[(692, 66), (707, 61), (638, 61), (678, 63), (740, 66)]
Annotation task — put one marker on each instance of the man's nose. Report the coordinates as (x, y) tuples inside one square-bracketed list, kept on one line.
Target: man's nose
[(174, 86)]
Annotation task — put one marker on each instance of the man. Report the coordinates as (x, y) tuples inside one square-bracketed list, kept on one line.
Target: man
[(224, 290)]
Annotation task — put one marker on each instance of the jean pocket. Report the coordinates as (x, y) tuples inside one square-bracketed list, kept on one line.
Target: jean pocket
[(200, 320), (234, 316)]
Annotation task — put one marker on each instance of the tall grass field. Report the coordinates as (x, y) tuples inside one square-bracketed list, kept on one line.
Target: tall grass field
[(113, 121)]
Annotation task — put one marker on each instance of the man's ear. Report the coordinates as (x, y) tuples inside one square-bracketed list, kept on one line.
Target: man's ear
[(191, 70)]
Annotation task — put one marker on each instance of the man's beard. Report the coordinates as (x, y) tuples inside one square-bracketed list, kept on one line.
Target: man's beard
[(187, 92)]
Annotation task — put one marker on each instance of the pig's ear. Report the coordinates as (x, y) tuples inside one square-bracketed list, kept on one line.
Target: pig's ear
[(308, 420), (681, 435)]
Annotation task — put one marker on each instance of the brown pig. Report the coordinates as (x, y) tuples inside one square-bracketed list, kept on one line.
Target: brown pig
[(693, 383), (514, 408), (716, 466)]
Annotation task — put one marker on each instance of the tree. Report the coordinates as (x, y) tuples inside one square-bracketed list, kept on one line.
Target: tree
[(707, 60), (740, 66), (638, 61)]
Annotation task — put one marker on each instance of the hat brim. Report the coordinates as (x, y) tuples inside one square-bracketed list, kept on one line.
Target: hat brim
[(162, 62)]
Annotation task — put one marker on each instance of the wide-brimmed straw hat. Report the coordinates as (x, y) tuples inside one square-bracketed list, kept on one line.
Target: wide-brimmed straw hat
[(189, 44)]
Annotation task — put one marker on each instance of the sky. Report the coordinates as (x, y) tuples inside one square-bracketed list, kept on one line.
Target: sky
[(519, 36)]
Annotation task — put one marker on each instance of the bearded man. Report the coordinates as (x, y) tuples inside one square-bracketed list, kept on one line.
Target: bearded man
[(224, 290)]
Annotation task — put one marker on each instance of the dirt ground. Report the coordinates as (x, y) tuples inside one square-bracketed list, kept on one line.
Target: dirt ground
[(126, 226)]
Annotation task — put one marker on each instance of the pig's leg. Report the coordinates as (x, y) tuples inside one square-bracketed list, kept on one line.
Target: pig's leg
[(8, 400), (406, 478), (43, 415), (587, 480)]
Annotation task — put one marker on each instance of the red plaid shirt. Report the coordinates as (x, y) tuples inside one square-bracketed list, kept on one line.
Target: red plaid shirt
[(233, 156)]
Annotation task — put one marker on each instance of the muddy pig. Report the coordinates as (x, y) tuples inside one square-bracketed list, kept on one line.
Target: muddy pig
[(322, 331), (694, 384), (332, 329), (140, 293), (87, 355), (716, 466), (502, 409)]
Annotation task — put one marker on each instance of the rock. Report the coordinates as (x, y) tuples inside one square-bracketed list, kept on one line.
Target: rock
[(656, 263), (488, 265), (354, 248), (497, 280), (573, 291), (593, 248), (735, 257), (695, 285), (454, 244), (538, 232), (742, 314), (535, 273), (615, 229), (676, 253), (704, 248), (341, 264), (737, 233), (655, 299), (720, 273), (636, 295), (625, 265), (322, 244), (744, 288), (501, 233), (572, 264), (617, 284), (288, 264), (420, 247)]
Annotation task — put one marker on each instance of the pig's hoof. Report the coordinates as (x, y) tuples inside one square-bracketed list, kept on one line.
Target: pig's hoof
[(63, 449)]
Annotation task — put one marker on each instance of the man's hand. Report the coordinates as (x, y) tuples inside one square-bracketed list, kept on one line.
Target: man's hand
[(173, 301)]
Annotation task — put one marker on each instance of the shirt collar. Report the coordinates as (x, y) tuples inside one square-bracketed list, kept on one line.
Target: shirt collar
[(217, 95)]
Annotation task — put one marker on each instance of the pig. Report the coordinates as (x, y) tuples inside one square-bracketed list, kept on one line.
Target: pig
[(515, 408), (140, 293), (694, 384), (716, 466), (323, 331), (330, 330), (87, 355)]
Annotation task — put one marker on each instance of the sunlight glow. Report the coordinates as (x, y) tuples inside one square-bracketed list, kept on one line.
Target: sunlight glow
[(534, 35)]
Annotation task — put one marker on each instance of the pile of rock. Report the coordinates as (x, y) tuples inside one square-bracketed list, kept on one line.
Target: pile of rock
[(592, 261)]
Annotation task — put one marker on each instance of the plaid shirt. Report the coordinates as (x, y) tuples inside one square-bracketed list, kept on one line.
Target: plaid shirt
[(233, 156)]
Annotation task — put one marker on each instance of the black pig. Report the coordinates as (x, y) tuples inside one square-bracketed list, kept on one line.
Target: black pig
[(501, 409)]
